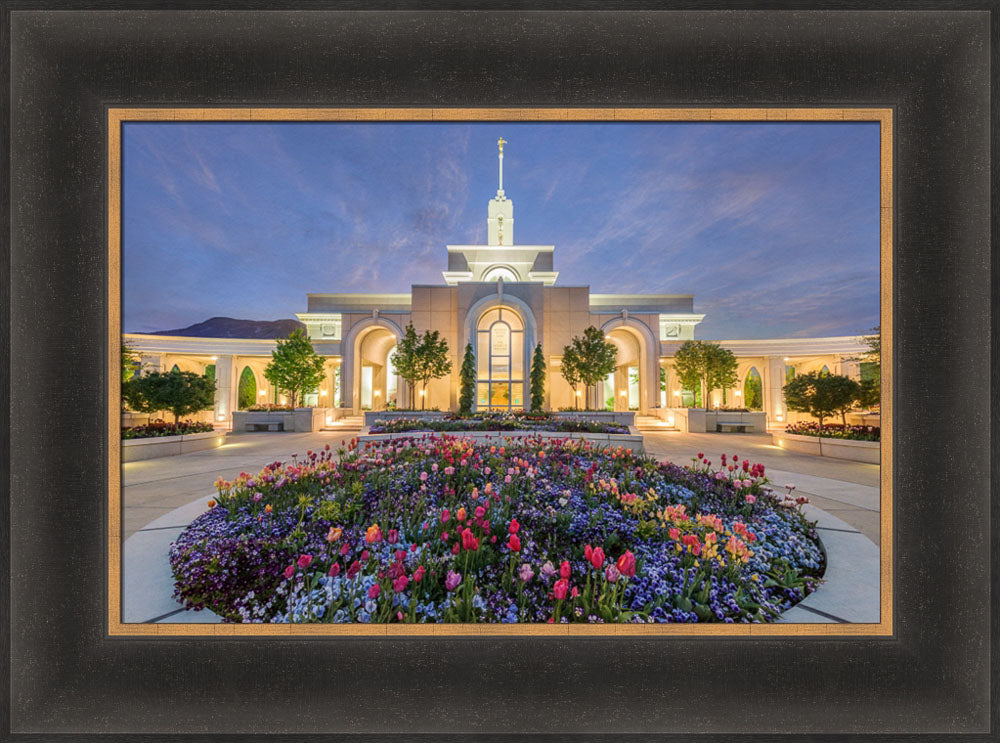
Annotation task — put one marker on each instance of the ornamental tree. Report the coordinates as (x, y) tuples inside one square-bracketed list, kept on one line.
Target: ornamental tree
[(180, 392), (467, 380), (405, 359), (431, 361), (130, 361), (593, 356), (705, 365), (537, 380), (870, 393), (295, 367), (821, 395), (570, 370)]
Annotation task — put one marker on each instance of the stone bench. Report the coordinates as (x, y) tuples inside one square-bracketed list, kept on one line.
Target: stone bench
[(739, 426), (270, 426)]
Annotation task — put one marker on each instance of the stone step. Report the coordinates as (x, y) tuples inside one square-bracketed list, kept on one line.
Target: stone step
[(649, 423)]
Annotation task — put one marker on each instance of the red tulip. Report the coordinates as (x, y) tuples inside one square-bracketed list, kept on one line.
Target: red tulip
[(560, 588), (399, 585), (565, 569), (354, 569), (334, 570), (514, 526), (289, 571), (514, 543), (374, 591), (304, 560), (626, 564), (597, 558)]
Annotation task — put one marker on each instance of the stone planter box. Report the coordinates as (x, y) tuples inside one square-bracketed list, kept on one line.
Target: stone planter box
[(391, 415), (855, 451), (135, 450), (699, 420), (632, 440), (299, 420), (618, 418)]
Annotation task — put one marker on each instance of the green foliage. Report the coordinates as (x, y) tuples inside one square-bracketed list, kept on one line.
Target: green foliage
[(422, 358), (821, 395), (591, 358), (247, 389), (182, 393), (405, 360), (874, 353), (753, 392), (130, 361), (467, 379), (537, 380), (705, 366), (295, 367), (571, 370), (870, 393)]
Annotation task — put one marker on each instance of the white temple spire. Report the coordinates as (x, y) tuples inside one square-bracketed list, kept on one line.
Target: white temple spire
[(500, 143)]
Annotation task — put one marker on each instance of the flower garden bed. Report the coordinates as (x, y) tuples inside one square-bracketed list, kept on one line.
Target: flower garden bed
[(855, 451), (160, 428), (445, 529), (154, 447), (836, 431), (496, 422)]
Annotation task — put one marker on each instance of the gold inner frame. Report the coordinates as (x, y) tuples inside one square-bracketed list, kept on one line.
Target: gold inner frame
[(118, 116)]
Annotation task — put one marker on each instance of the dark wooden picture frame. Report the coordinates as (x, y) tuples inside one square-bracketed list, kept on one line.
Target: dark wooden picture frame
[(68, 66)]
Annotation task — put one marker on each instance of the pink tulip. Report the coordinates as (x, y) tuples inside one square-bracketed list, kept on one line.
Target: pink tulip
[(304, 560), (334, 570), (560, 588)]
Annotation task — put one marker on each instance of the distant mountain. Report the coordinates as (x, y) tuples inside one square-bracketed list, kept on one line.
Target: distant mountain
[(228, 327)]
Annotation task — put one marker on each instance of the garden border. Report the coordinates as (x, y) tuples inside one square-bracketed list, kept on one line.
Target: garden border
[(868, 452), (154, 447)]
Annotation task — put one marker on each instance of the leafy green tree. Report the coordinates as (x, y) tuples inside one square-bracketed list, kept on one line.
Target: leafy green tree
[(869, 393), (407, 351), (432, 361), (467, 379), (295, 367), (130, 361), (537, 380), (705, 366), (874, 353), (570, 370), (180, 392), (593, 356), (822, 395)]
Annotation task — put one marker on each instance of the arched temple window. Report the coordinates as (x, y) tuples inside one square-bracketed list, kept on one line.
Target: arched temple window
[(753, 390), (247, 391), (500, 360)]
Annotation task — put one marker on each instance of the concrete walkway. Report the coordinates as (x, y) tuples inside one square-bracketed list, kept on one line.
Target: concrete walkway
[(163, 495)]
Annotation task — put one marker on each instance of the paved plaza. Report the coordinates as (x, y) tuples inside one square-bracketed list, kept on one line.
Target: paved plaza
[(161, 496)]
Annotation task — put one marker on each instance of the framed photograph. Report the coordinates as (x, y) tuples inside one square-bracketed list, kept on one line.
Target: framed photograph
[(350, 437)]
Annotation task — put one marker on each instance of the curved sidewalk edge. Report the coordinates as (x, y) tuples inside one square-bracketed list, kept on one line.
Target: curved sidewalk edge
[(850, 592)]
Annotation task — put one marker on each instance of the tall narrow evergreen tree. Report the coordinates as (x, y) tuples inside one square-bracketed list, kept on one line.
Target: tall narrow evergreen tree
[(537, 380), (467, 378)]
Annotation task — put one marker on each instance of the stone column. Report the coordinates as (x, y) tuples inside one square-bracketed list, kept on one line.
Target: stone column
[(774, 396), (226, 388)]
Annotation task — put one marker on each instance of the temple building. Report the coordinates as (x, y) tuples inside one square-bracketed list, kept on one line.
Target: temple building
[(503, 298)]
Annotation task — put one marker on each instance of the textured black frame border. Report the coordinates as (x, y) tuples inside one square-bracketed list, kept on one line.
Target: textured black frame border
[(66, 676)]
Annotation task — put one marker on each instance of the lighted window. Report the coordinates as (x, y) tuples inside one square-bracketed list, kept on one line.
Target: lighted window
[(500, 360)]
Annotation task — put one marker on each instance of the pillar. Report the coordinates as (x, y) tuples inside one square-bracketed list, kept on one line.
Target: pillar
[(774, 396), (226, 388)]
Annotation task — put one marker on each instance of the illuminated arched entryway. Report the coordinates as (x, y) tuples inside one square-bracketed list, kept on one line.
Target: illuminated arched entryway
[(372, 387), (637, 374), (621, 388), (500, 368)]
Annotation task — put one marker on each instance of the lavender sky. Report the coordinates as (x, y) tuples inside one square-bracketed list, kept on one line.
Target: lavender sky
[(773, 227)]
